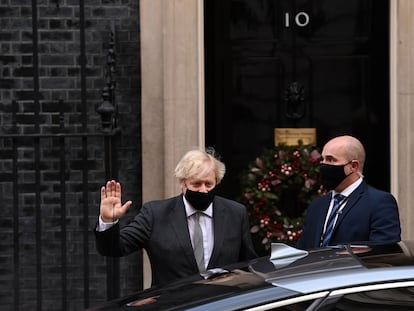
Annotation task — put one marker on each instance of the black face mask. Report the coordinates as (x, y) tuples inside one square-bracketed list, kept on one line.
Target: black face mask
[(200, 200), (332, 175)]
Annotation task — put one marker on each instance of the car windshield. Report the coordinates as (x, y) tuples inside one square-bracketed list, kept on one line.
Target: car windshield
[(352, 256), (325, 260)]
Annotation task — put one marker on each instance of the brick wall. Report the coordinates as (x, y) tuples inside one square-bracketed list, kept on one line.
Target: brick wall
[(53, 89)]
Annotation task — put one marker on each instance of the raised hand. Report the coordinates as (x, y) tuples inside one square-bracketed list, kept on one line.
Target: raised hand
[(111, 207)]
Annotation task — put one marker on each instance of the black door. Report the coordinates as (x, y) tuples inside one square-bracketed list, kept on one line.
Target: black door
[(296, 63)]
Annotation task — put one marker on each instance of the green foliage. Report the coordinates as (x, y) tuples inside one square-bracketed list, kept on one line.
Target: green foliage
[(277, 188)]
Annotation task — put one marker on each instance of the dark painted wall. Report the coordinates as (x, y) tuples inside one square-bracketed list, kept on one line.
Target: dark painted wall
[(53, 69)]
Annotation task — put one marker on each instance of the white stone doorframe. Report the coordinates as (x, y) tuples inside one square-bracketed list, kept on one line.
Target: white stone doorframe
[(401, 110), (172, 63), (172, 66)]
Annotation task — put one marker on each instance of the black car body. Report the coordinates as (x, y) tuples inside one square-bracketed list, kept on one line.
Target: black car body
[(363, 276)]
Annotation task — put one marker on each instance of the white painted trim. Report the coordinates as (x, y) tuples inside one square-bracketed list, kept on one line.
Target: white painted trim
[(394, 97), (201, 75)]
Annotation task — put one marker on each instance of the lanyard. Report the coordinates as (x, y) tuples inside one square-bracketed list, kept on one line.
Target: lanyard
[(335, 215)]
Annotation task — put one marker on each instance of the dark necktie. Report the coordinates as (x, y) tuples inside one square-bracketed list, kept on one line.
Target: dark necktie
[(331, 220), (198, 243)]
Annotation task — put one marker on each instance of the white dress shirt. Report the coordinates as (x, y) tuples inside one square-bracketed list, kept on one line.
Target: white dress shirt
[(346, 193), (206, 223)]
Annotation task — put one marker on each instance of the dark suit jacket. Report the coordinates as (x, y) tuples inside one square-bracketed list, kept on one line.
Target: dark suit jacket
[(161, 229), (369, 215)]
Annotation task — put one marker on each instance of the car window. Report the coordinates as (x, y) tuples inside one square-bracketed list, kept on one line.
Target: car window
[(298, 303), (384, 300), (387, 299)]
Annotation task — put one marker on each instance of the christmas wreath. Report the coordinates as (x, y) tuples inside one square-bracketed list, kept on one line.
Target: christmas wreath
[(277, 188)]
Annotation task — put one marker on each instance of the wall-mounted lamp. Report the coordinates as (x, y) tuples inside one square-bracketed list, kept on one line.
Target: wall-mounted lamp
[(106, 110)]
